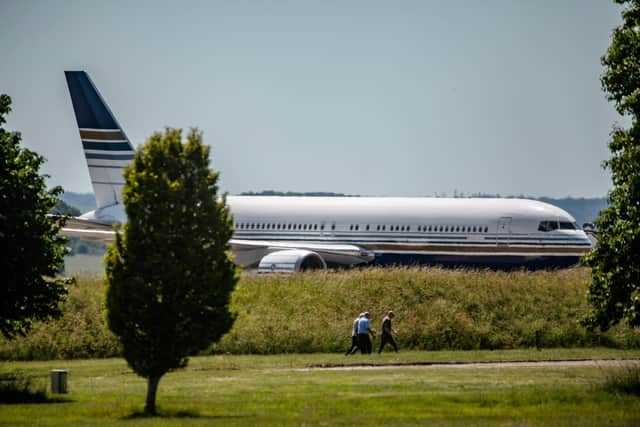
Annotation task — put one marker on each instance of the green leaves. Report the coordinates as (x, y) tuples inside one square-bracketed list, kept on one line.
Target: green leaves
[(615, 262), (32, 250), (169, 273)]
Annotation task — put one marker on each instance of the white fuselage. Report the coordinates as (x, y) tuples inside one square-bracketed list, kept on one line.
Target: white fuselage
[(477, 231)]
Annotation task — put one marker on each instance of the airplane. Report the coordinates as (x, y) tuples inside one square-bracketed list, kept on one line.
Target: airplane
[(289, 234)]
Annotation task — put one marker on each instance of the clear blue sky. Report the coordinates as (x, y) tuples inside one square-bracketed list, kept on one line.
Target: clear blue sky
[(368, 97)]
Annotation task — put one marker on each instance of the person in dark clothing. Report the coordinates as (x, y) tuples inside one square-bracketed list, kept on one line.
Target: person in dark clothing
[(364, 330), (387, 333), (354, 336)]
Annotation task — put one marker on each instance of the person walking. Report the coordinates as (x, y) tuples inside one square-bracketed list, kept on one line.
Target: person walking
[(354, 336), (387, 333), (364, 330)]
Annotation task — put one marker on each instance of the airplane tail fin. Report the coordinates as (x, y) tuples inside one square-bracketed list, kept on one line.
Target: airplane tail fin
[(106, 147)]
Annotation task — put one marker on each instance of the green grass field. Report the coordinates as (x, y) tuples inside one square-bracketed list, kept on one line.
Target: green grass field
[(282, 390), (303, 321)]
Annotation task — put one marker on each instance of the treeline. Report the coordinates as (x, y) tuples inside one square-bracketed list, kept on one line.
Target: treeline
[(84, 202), (63, 208), (435, 309), (295, 194)]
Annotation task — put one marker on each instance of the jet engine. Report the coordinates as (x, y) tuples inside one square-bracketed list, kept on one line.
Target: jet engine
[(291, 261)]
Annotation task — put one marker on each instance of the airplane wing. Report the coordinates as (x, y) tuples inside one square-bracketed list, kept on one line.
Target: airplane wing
[(334, 253), (87, 229), (247, 252), (337, 249)]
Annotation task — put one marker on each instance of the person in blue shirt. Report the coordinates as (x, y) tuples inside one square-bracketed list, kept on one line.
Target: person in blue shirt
[(354, 336), (364, 330)]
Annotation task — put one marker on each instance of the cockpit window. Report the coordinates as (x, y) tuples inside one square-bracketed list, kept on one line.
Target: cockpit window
[(566, 225), (548, 225)]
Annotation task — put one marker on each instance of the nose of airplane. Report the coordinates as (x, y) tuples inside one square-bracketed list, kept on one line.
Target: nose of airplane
[(587, 236)]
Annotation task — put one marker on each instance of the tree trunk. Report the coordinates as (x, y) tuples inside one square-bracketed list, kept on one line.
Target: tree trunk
[(152, 388)]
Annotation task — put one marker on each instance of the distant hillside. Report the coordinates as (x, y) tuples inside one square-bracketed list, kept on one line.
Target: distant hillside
[(63, 208), (83, 201), (582, 209), (295, 194)]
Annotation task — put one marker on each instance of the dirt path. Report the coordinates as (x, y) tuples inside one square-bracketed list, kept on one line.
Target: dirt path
[(477, 365)]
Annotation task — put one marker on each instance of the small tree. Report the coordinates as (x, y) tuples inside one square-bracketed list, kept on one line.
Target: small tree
[(614, 292), (169, 273), (32, 252)]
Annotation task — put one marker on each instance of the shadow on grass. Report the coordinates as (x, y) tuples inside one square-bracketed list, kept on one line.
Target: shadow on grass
[(183, 414), (17, 387), (18, 397)]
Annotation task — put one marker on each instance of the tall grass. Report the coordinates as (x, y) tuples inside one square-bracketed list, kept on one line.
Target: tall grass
[(435, 309), (312, 312), (624, 379), (81, 332)]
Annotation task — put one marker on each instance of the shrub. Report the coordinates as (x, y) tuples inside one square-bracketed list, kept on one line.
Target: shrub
[(81, 332)]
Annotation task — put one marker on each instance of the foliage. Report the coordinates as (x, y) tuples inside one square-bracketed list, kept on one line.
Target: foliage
[(32, 252), (81, 332), (614, 293), (312, 312), (169, 275)]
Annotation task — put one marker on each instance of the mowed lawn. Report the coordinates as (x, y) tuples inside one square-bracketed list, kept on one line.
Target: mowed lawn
[(293, 390)]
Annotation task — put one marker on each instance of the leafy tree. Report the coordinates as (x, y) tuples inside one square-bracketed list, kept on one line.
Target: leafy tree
[(169, 273), (32, 252), (614, 292)]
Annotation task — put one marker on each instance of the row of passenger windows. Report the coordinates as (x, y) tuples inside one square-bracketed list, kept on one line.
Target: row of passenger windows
[(367, 227), (268, 226), (457, 229), (427, 229), (543, 226)]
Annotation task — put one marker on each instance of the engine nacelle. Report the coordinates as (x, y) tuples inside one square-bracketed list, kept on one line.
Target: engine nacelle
[(291, 261)]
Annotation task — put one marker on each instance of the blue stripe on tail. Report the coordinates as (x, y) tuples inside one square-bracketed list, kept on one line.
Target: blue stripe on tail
[(106, 147)]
